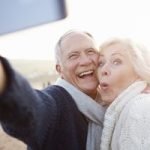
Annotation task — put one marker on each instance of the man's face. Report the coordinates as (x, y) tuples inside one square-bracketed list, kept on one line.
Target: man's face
[(79, 61)]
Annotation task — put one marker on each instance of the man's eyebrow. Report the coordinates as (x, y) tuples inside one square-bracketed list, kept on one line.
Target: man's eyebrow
[(73, 52), (93, 48)]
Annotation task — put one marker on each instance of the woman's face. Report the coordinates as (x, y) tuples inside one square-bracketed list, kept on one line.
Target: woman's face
[(115, 71)]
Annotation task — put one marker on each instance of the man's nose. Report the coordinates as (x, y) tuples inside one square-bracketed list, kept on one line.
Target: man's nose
[(85, 59)]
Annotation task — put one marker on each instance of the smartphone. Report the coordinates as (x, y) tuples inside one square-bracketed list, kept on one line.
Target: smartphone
[(20, 14)]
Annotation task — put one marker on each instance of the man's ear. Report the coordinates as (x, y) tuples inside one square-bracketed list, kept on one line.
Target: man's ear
[(58, 68)]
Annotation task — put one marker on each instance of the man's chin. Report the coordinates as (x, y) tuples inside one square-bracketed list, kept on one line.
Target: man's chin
[(88, 89)]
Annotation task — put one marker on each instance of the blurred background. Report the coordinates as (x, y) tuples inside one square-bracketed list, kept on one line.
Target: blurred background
[(103, 18), (29, 30)]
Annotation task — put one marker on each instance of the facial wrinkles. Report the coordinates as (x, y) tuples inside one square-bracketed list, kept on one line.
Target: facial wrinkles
[(75, 70), (116, 63), (71, 45), (121, 76), (84, 61)]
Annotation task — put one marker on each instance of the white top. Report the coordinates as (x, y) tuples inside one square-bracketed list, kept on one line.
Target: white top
[(127, 121)]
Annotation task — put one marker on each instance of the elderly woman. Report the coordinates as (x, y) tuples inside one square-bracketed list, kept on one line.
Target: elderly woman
[(124, 76)]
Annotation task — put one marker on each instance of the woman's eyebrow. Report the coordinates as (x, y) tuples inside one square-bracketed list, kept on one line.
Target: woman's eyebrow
[(113, 54)]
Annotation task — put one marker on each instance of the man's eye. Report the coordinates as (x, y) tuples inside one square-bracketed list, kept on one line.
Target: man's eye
[(73, 56), (91, 51)]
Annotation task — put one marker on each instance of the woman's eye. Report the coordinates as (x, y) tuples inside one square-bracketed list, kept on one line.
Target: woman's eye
[(101, 64), (117, 62)]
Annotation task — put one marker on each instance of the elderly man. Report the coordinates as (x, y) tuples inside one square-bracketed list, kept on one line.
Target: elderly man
[(63, 116)]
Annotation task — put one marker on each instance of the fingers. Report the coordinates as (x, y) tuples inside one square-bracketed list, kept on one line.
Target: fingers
[(147, 89), (2, 78)]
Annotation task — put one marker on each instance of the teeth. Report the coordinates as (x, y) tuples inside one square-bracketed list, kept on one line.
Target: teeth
[(86, 73)]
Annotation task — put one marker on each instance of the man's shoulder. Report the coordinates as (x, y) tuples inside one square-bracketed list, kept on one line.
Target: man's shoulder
[(60, 94), (56, 89)]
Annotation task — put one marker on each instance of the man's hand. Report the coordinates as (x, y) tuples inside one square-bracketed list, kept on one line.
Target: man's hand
[(2, 78)]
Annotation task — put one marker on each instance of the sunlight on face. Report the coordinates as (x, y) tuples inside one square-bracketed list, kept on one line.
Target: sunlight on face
[(79, 62), (115, 71)]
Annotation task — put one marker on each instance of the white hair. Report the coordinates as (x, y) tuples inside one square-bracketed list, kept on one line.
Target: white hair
[(139, 56), (58, 49)]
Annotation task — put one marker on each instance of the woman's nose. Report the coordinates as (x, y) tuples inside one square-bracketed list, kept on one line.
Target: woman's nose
[(105, 70), (105, 73)]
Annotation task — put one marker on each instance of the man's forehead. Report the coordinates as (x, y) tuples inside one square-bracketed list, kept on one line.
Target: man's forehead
[(77, 41), (75, 35), (76, 38)]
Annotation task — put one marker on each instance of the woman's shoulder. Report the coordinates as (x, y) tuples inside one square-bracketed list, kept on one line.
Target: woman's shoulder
[(136, 108), (134, 123), (140, 105), (142, 99)]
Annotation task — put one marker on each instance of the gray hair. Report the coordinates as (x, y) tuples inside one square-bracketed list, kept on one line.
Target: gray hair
[(58, 49), (139, 56)]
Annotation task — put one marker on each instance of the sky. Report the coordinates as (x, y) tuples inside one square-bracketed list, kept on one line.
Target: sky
[(102, 18)]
